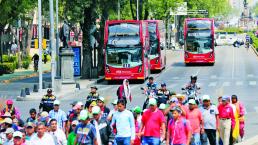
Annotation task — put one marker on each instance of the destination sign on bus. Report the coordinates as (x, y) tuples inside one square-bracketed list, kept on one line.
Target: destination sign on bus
[(199, 34)]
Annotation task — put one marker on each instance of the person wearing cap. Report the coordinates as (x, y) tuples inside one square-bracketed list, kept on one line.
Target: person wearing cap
[(124, 91), (92, 96), (192, 85), (227, 120), (153, 121), (240, 113), (110, 115), (59, 115), (123, 121), (44, 118), (33, 116), (184, 108), (42, 137), (30, 131), (8, 123), (85, 131), (17, 138), (151, 85), (210, 118), (138, 111), (72, 117), (179, 129), (103, 129), (194, 115), (11, 109), (9, 136), (163, 94), (72, 136), (105, 110), (58, 134), (47, 102)]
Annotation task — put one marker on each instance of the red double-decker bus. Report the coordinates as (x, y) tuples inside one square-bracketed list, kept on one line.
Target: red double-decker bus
[(199, 40), (126, 48), (157, 53)]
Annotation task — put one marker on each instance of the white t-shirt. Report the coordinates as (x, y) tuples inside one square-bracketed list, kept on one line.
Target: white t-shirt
[(47, 139), (59, 137)]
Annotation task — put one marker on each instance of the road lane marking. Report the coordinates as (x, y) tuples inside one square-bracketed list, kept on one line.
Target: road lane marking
[(175, 78), (226, 84), (252, 83), (212, 84), (239, 83), (250, 75), (213, 77)]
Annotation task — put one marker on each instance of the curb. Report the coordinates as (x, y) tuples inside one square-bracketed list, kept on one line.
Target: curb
[(255, 51), (251, 141), (32, 98)]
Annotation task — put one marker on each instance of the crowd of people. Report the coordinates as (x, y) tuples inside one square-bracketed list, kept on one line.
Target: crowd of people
[(171, 119)]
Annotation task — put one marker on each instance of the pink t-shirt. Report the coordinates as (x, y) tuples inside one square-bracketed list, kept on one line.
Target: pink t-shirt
[(179, 131), (195, 118), (152, 122)]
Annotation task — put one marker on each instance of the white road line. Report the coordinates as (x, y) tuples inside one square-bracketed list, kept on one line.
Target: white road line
[(256, 109), (250, 75), (239, 83), (213, 77), (233, 66), (252, 83), (175, 78), (212, 84), (226, 84)]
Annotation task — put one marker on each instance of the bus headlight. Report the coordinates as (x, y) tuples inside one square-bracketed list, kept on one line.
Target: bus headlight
[(186, 55), (157, 60), (107, 69), (140, 69), (211, 55)]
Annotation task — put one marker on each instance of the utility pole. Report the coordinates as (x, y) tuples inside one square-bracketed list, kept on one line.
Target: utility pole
[(57, 42), (137, 9), (40, 45), (118, 10), (52, 39)]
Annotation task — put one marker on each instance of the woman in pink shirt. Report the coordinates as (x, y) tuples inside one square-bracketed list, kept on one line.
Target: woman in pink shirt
[(179, 129)]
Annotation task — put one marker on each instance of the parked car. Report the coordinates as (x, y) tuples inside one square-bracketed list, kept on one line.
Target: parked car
[(221, 40)]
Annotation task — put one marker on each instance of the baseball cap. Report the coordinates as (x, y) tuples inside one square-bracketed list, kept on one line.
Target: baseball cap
[(9, 102), (162, 106), (96, 110), (83, 115), (152, 101), (206, 97), (180, 96), (176, 109), (43, 116), (9, 130), (94, 87), (79, 103), (17, 134), (192, 101), (29, 124), (163, 84), (115, 102), (8, 120), (225, 98), (77, 107), (75, 122), (137, 110), (56, 102), (173, 100), (101, 99)]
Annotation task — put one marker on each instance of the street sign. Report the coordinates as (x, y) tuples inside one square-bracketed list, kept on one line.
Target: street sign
[(180, 10), (77, 61)]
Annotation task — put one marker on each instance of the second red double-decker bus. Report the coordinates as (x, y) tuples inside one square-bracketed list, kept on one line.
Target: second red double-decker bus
[(126, 47), (157, 53), (199, 40)]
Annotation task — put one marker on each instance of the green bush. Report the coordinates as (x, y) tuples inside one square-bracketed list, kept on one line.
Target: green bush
[(25, 64), (7, 68), (255, 40), (232, 30)]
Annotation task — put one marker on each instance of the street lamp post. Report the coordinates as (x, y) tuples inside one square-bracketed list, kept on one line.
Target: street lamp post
[(137, 9), (57, 41), (118, 9), (52, 38), (40, 45)]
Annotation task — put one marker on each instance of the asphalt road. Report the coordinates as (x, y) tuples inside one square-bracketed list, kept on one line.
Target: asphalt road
[(235, 72)]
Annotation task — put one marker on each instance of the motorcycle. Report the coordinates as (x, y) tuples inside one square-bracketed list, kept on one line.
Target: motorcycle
[(149, 94), (191, 94)]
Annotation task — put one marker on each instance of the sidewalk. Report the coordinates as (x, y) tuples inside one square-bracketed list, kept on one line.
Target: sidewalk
[(251, 141), (20, 74)]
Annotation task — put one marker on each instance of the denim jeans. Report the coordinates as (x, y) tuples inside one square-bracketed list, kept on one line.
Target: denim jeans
[(150, 141), (197, 139), (123, 140)]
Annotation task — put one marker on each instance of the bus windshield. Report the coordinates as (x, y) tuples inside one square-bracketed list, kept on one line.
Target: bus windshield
[(124, 57), (199, 46), (153, 40)]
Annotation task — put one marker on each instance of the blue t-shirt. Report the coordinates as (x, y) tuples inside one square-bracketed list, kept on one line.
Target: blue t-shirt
[(86, 133)]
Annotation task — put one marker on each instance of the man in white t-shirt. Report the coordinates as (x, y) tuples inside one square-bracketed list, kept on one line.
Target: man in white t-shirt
[(58, 134), (42, 137)]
